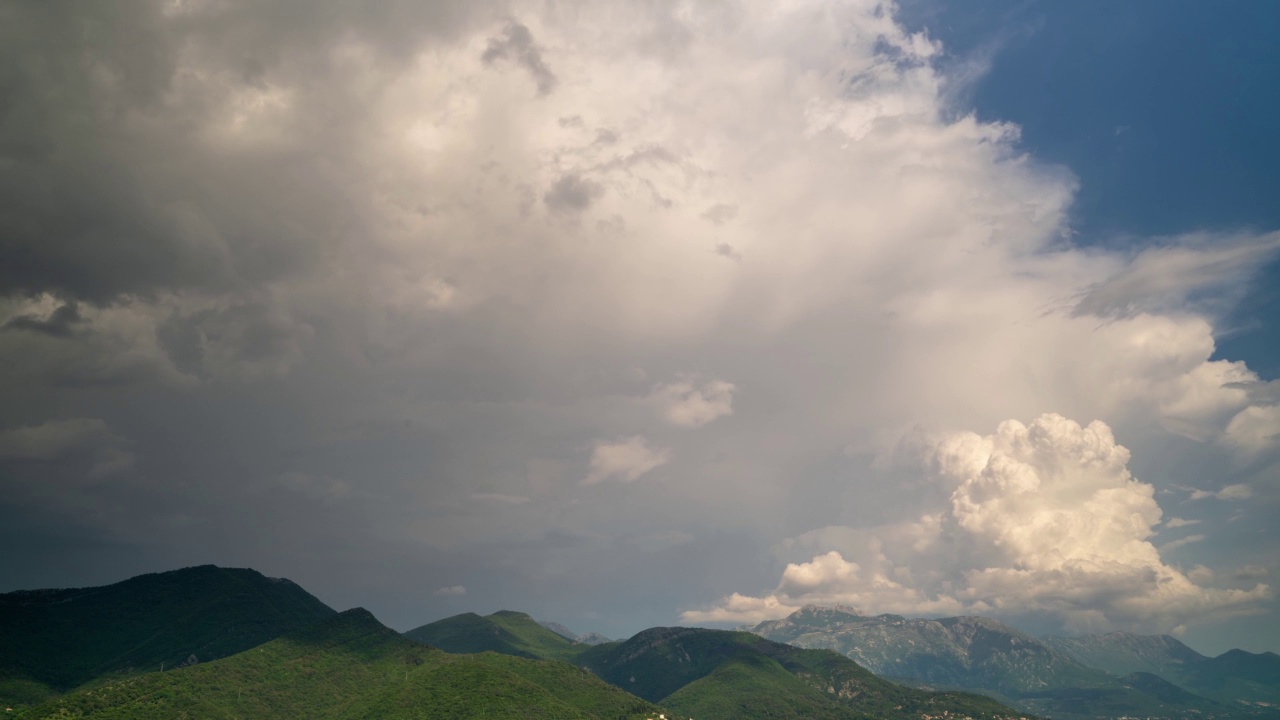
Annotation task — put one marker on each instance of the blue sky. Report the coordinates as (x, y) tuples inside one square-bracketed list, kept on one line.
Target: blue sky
[(633, 314), (1165, 111)]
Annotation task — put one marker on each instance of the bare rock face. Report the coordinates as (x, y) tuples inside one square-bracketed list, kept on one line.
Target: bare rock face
[(972, 652)]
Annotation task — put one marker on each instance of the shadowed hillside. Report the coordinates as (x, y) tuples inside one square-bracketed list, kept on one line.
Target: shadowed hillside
[(54, 640), (352, 667)]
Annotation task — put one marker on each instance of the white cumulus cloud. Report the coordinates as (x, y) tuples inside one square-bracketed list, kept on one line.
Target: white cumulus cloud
[(1042, 519)]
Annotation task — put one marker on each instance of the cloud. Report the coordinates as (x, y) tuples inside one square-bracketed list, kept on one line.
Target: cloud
[(571, 193), (437, 249), (60, 343), (451, 591), (317, 487), (1254, 429), (59, 323), (78, 439), (1188, 540), (1228, 492), (625, 460), (1177, 522), (1194, 270), (516, 44), (499, 498), (1042, 519), (685, 404)]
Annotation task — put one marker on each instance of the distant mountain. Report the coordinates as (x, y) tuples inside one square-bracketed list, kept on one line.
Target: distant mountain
[(1238, 675), (723, 675), (970, 652), (1234, 677), (560, 630), (1121, 653), (1058, 678), (55, 640), (591, 638), (351, 666), (506, 631)]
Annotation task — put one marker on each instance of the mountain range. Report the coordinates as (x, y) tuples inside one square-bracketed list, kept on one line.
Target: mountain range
[(351, 666), (712, 674), (1097, 675), (591, 638), (215, 642)]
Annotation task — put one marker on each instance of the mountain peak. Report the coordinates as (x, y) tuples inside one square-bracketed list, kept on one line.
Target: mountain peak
[(822, 609)]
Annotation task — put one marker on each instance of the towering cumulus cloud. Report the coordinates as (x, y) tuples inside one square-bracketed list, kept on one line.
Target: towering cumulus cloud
[(1043, 518), (593, 304)]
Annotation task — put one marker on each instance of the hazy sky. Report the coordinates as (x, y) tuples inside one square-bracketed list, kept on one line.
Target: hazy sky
[(628, 314)]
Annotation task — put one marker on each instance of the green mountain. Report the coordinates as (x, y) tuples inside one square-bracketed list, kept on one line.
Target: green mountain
[(351, 667), (1053, 677), (1240, 676), (55, 640), (719, 674), (506, 632), (711, 674)]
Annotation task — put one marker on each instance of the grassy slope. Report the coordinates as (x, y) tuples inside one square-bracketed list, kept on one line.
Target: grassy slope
[(54, 640), (507, 632), (353, 667)]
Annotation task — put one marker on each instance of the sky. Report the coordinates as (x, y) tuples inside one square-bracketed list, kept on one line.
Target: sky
[(635, 314)]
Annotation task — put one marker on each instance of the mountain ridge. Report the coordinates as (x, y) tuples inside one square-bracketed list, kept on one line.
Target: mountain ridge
[(352, 666), (57, 639), (1115, 674), (720, 674)]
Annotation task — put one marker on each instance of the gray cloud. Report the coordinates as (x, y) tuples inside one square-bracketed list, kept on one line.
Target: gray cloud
[(82, 440), (61, 323), (572, 193), (516, 45), (362, 309)]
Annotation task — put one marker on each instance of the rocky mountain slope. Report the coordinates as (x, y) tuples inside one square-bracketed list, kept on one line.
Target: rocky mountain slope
[(1112, 676)]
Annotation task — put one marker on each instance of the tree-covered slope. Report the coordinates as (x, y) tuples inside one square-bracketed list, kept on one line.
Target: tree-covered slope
[(717, 674), (1238, 676), (54, 640), (506, 631), (352, 667)]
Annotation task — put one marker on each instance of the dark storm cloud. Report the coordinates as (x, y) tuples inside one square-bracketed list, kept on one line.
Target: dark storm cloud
[(350, 303), (60, 324), (77, 440), (516, 44), (110, 184), (572, 193)]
